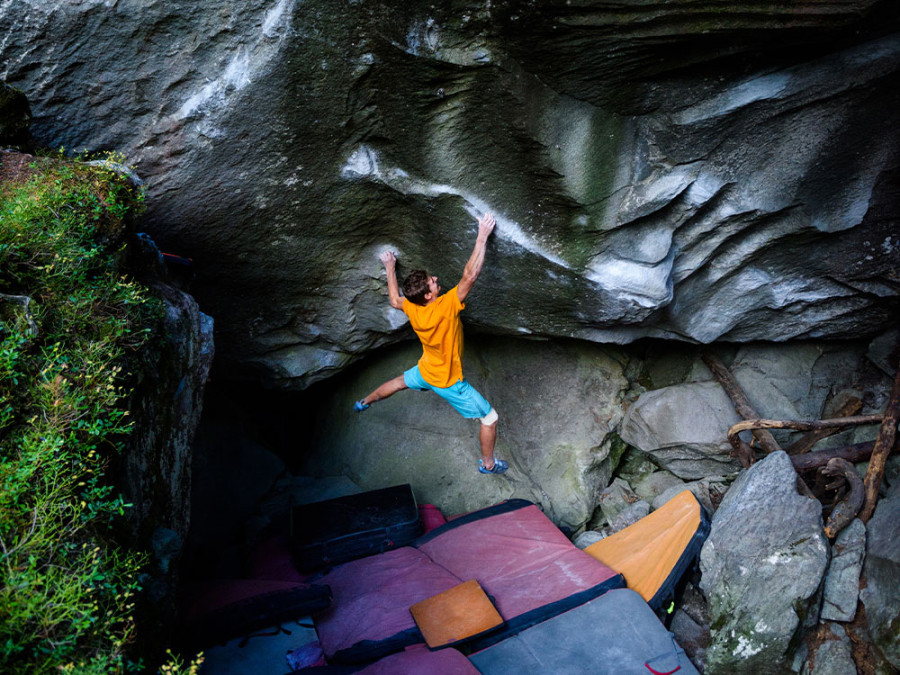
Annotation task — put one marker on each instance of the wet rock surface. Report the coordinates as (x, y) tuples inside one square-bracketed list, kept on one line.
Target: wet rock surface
[(659, 170)]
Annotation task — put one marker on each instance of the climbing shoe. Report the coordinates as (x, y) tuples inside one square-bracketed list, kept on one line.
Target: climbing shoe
[(359, 406), (499, 466)]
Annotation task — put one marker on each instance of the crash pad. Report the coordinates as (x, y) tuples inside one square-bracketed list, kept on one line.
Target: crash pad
[(345, 528), (369, 616), (219, 610), (457, 614), (519, 557), (415, 660), (655, 552), (615, 633)]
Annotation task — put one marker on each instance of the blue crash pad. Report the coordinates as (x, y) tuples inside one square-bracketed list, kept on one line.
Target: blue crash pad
[(615, 633)]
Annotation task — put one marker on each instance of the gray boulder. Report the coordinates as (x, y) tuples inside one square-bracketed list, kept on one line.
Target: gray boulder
[(168, 400), (777, 382), (762, 570), (699, 488), (683, 427), (842, 582), (809, 380), (690, 625), (634, 466), (558, 406), (692, 636), (880, 349), (881, 595)]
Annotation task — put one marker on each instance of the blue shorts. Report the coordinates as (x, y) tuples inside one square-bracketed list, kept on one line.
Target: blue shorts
[(462, 396)]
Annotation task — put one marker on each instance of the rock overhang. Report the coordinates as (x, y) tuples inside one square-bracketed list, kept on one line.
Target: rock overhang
[(718, 202)]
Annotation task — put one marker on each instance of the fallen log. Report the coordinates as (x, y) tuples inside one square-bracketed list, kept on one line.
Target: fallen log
[(803, 425), (808, 440), (742, 407), (860, 452), (883, 445), (846, 510)]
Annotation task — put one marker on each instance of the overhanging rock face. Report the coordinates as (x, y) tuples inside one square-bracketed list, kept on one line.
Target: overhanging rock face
[(675, 170)]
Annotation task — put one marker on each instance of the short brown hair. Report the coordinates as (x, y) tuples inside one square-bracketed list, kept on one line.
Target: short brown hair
[(415, 286)]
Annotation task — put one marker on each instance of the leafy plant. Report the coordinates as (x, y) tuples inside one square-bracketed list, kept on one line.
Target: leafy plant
[(70, 323)]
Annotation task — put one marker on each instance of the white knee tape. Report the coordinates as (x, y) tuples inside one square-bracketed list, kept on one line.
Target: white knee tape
[(490, 418)]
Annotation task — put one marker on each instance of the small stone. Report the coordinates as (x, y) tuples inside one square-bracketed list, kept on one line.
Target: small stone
[(692, 636), (832, 657), (700, 490), (629, 516), (881, 596), (657, 483), (615, 498), (587, 538)]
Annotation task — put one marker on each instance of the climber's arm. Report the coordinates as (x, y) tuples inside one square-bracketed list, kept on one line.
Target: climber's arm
[(390, 267), (476, 260)]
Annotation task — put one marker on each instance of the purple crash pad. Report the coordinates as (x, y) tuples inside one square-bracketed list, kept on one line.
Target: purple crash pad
[(419, 660), (519, 557), (371, 598)]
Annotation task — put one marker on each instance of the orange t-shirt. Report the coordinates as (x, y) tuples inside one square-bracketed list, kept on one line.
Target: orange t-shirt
[(440, 331)]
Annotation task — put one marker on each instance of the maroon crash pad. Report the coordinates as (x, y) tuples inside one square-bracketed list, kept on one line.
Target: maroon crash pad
[(529, 568)]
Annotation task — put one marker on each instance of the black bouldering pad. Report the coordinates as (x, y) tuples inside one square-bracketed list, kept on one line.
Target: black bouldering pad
[(338, 530)]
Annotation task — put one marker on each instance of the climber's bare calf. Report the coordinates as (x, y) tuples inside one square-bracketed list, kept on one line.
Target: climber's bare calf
[(387, 389)]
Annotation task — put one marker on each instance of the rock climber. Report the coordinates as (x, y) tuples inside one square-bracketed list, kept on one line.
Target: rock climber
[(435, 319)]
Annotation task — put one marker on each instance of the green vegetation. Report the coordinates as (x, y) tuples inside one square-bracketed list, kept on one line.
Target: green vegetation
[(70, 321)]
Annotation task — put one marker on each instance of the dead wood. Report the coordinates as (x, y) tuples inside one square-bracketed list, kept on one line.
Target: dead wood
[(803, 425), (846, 509), (808, 440), (742, 451), (742, 407), (883, 445), (860, 452)]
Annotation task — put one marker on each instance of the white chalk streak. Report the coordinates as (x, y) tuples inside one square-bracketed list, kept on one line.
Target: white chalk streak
[(249, 57), (364, 163)]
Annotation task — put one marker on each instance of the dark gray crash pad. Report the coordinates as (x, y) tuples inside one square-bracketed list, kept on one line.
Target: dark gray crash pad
[(616, 633)]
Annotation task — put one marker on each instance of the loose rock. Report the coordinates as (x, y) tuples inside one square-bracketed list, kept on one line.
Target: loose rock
[(881, 595), (762, 568), (834, 656), (842, 580)]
